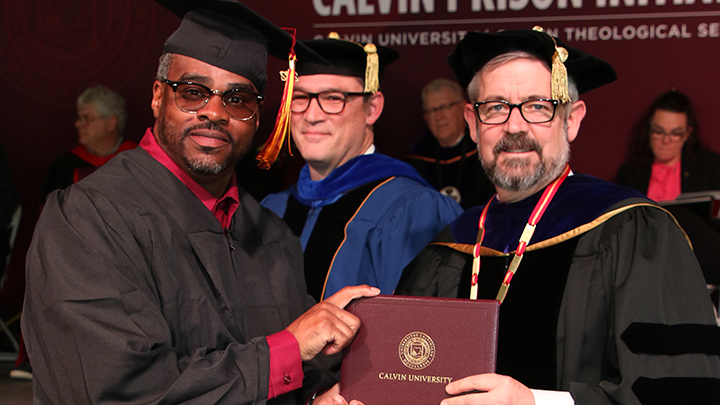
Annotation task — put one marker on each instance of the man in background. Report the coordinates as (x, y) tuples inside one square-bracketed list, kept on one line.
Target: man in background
[(445, 155), (101, 125)]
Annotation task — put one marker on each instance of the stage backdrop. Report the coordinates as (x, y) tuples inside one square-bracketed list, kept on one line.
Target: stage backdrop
[(50, 50)]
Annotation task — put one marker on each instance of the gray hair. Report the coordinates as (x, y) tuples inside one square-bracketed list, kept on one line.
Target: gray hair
[(107, 103), (437, 85), (166, 61), (500, 60)]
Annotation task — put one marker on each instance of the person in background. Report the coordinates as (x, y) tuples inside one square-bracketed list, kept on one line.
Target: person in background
[(601, 298), (101, 125), (445, 155), (668, 157), (361, 216), (157, 279)]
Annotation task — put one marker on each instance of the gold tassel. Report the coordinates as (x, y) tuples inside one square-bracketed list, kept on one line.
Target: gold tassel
[(559, 76), (372, 67), (270, 152)]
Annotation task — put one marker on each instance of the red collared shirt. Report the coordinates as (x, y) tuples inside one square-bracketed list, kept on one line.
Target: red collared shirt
[(285, 362)]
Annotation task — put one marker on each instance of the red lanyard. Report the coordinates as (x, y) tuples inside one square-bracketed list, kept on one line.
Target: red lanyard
[(537, 213)]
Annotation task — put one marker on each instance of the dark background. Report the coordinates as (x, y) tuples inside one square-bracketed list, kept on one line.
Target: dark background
[(50, 50)]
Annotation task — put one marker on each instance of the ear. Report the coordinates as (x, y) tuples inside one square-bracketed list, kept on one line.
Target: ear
[(472, 121), (577, 113), (112, 123), (688, 133), (156, 102), (374, 107)]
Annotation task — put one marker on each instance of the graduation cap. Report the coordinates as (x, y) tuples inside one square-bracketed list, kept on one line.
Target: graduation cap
[(477, 49), (229, 35), (348, 58)]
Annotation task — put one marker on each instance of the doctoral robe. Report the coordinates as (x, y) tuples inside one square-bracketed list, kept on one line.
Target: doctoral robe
[(363, 223), (75, 165), (136, 293), (608, 301)]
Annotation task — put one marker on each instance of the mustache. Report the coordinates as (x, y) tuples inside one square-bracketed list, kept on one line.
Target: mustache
[(517, 141), (211, 126)]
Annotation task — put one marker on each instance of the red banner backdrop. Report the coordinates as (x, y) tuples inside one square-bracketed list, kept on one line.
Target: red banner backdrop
[(50, 50), (653, 44)]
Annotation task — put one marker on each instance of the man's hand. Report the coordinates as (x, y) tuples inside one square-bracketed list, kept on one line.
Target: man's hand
[(333, 397), (327, 327), (496, 389)]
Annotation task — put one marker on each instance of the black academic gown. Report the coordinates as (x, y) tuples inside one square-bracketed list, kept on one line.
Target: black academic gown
[(595, 305), (457, 166), (136, 295)]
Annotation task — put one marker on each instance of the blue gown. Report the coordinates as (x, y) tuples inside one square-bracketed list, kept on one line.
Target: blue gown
[(363, 223)]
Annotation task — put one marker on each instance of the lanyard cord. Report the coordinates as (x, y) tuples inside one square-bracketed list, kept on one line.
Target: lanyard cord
[(537, 213)]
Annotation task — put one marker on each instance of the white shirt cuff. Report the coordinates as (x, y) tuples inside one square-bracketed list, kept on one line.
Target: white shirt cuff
[(543, 397)]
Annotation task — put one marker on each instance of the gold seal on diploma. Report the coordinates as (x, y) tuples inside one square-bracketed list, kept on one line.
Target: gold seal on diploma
[(417, 350)]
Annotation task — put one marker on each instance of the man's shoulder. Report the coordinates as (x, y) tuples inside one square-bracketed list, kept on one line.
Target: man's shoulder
[(126, 170), (399, 192), (276, 202), (258, 223)]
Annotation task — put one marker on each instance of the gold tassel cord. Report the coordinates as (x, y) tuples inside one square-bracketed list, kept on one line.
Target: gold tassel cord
[(372, 81), (270, 152), (559, 75)]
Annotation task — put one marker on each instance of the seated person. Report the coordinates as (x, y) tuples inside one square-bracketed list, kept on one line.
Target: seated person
[(445, 155), (668, 157)]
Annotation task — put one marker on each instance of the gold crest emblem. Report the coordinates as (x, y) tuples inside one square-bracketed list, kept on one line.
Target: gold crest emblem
[(416, 350)]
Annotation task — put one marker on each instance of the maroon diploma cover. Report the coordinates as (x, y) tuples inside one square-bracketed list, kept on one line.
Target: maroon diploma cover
[(409, 348)]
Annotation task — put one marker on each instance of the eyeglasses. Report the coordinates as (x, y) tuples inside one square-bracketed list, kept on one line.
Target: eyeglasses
[(535, 111), (441, 108), (192, 97), (674, 136), (86, 119), (331, 102)]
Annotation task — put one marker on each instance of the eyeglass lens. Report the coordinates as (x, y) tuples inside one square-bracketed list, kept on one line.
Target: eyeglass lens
[(441, 107), (192, 97), (331, 102), (660, 133), (533, 111)]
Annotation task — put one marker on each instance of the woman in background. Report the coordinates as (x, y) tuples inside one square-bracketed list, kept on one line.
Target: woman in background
[(668, 157)]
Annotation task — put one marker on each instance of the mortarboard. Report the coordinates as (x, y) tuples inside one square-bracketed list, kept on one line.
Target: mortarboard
[(348, 58), (477, 49), (229, 35)]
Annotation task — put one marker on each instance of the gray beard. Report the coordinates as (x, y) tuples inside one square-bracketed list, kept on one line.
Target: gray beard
[(205, 165), (544, 171)]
